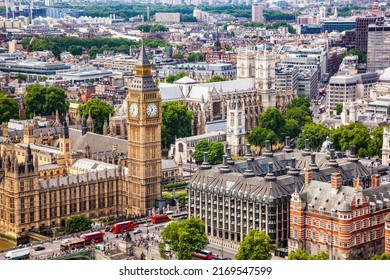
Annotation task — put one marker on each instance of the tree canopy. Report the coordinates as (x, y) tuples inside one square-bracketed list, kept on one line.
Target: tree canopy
[(355, 134), (9, 108), (77, 223), (382, 257), (215, 79), (338, 108), (256, 245), (272, 119), (41, 100), (171, 78), (183, 237), (301, 254), (176, 122), (195, 57), (100, 112), (361, 56), (152, 28), (316, 133), (216, 152), (201, 147)]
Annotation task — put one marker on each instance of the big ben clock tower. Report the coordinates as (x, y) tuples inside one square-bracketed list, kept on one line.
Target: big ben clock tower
[(144, 138)]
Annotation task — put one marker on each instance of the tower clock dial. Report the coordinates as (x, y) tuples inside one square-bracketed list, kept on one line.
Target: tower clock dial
[(133, 110), (152, 110)]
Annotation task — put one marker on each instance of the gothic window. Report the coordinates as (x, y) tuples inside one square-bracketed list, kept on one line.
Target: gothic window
[(231, 119), (239, 119), (180, 147)]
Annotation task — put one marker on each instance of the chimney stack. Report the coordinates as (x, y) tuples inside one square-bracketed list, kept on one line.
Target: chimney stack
[(248, 154), (249, 172), (313, 165), (375, 180), (357, 182), (224, 168), (336, 182), (308, 175), (205, 164), (268, 152), (229, 159), (307, 151), (287, 147)]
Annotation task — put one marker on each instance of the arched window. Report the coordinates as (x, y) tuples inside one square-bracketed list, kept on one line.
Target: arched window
[(180, 147)]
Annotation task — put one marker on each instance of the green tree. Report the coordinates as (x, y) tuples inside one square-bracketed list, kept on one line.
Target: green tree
[(55, 99), (355, 134), (216, 152), (292, 128), (201, 147), (178, 56), (256, 245), (195, 57), (361, 56), (375, 143), (316, 133), (171, 78), (21, 77), (300, 102), (301, 254), (300, 114), (44, 101), (9, 108), (92, 52), (77, 223), (273, 120), (183, 237), (215, 79), (176, 122), (382, 257), (338, 108), (76, 50), (258, 136), (100, 112)]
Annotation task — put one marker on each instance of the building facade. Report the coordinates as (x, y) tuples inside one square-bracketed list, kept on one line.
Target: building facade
[(378, 47), (345, 222)]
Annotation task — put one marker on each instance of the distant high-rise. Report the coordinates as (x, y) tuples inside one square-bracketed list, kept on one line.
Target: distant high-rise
[(375, 9), (257, 12), (362, 31), (378, 46)]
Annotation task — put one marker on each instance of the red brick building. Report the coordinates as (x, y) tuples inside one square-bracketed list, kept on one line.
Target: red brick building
[(345, 222)]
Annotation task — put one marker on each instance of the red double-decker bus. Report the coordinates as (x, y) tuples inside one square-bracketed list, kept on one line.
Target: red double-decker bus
[(203, 254), (157, 219), (123, 227), (93, 237)]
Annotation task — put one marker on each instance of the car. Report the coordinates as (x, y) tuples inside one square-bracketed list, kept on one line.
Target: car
[(137, 231), (148, 224), (108, 228), (215, 257), (39, 248)]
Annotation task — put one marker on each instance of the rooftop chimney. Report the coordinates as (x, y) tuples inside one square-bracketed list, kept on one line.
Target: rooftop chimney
[(249, 172), (293, 171), (248, 154), (307, 151), (332, 160), (224, 168), (229, 156), (336, 182), (308, 173), (313, 165), (357, 182), (287, 147), (205, 164), (270, 175), (352, 156), (375, 180), (268, 152)]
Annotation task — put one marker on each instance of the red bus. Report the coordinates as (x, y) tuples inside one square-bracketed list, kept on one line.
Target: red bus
[(203, 254), (157, 219), (123, 227), (93, 237)]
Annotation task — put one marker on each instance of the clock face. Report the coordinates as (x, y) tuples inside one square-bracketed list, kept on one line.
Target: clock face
[(133, 110), (152, 110)]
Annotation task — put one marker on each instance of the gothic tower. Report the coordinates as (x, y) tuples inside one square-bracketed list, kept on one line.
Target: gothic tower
[(144, 138), (236, 127), (265, 77), (65, 142), (246, 63), (386, 147)]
